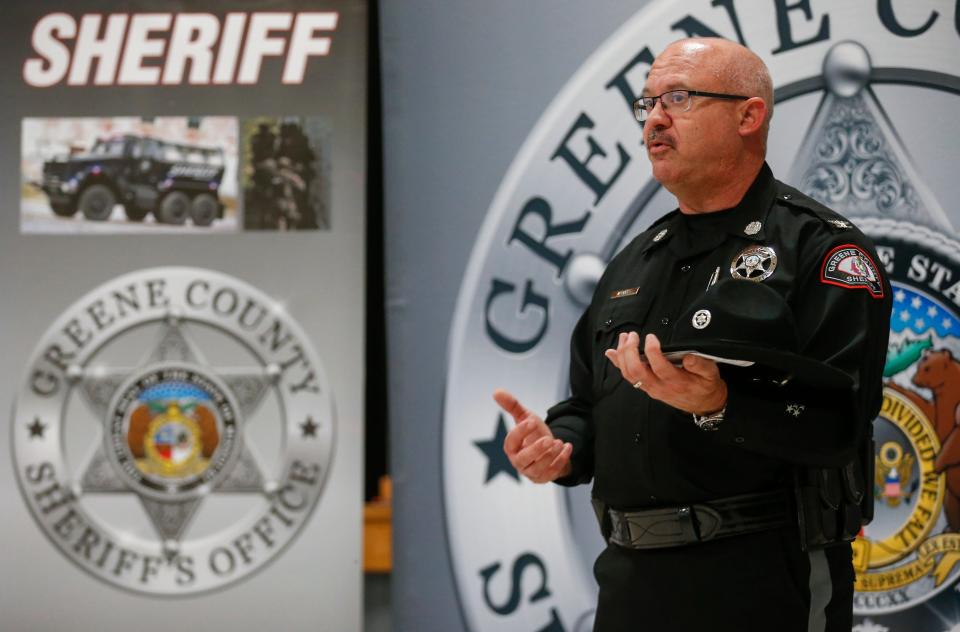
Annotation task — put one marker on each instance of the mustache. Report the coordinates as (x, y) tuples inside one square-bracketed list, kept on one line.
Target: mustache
[(658, 135)]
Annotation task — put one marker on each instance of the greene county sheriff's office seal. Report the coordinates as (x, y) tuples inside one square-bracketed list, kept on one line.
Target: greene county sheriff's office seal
[(173, 431), (580, 189)]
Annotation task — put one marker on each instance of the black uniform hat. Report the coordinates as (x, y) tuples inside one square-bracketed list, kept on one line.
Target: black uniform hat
[(749, 321)]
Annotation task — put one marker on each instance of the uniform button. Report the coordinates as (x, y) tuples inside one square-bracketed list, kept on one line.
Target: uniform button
[(664, 321), (685, 269), (608, 322), (636, 438), (787, 196), (738, 440), (653, 498)]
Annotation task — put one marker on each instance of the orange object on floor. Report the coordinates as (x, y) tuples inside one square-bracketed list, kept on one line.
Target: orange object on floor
[(377, 531)]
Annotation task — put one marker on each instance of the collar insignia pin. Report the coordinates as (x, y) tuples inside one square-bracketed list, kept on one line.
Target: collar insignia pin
[(753, 228), (660, 235)]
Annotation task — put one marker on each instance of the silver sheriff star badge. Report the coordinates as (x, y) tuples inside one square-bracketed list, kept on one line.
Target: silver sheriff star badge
[(795, 409), (754, 263)]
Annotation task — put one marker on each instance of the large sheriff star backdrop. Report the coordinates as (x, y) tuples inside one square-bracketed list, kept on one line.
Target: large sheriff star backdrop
[(862, 97)]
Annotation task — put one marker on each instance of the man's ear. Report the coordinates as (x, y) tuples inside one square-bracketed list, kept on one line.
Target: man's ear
[(753, 112)]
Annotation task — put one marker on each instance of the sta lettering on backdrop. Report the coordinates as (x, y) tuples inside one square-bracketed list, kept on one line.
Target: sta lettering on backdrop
[(580, 188), (152, 49)]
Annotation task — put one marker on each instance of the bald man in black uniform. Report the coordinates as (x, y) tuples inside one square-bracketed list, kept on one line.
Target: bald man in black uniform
[(657, 438)]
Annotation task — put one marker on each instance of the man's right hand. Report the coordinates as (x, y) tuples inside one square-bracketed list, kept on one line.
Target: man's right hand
[(530, 446)]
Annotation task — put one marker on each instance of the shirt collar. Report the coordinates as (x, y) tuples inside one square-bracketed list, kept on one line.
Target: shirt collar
[(748, 219)]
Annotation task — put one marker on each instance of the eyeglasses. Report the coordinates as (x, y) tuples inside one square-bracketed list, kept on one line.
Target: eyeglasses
[(674, 101)]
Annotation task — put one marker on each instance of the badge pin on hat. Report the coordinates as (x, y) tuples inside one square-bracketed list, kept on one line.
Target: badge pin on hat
[(750, 322)]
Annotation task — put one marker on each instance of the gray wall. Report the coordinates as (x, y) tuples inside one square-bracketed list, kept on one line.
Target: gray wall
[(464, 83)]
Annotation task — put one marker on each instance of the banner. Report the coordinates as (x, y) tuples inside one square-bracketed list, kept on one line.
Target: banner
[(182, 258), (862, 123)]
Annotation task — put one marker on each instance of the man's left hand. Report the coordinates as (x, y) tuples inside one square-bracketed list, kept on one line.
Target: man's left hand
[(694, 387)]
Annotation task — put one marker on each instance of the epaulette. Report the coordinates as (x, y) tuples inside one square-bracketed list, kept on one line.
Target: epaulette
[(786, 194)]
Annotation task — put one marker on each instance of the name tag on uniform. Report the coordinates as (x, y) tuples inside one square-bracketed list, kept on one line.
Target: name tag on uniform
[(627, 292)]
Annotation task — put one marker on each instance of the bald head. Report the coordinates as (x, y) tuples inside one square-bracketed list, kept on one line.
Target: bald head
[(735, 68), (707, 149)]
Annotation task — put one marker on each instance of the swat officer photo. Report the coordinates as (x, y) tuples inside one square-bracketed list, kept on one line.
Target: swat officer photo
[(723, 380)]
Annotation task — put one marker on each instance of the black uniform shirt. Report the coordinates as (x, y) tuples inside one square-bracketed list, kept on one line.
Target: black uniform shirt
[(641, 452)]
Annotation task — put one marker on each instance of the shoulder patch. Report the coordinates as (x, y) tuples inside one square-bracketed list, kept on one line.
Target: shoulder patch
[(850, 267)]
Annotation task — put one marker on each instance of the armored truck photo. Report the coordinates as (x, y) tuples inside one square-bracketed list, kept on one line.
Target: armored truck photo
[(174, 181)]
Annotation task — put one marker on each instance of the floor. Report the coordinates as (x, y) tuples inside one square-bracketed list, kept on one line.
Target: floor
[(376, 603)]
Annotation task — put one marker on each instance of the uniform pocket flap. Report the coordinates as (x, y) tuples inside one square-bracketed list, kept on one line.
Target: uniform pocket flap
[(620, 312)]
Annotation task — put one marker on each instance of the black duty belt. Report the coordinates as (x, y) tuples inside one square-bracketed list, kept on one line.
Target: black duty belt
[(689, 524)]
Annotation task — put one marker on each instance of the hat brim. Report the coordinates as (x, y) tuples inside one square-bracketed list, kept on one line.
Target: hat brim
[(676, 357), (796, 366)]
